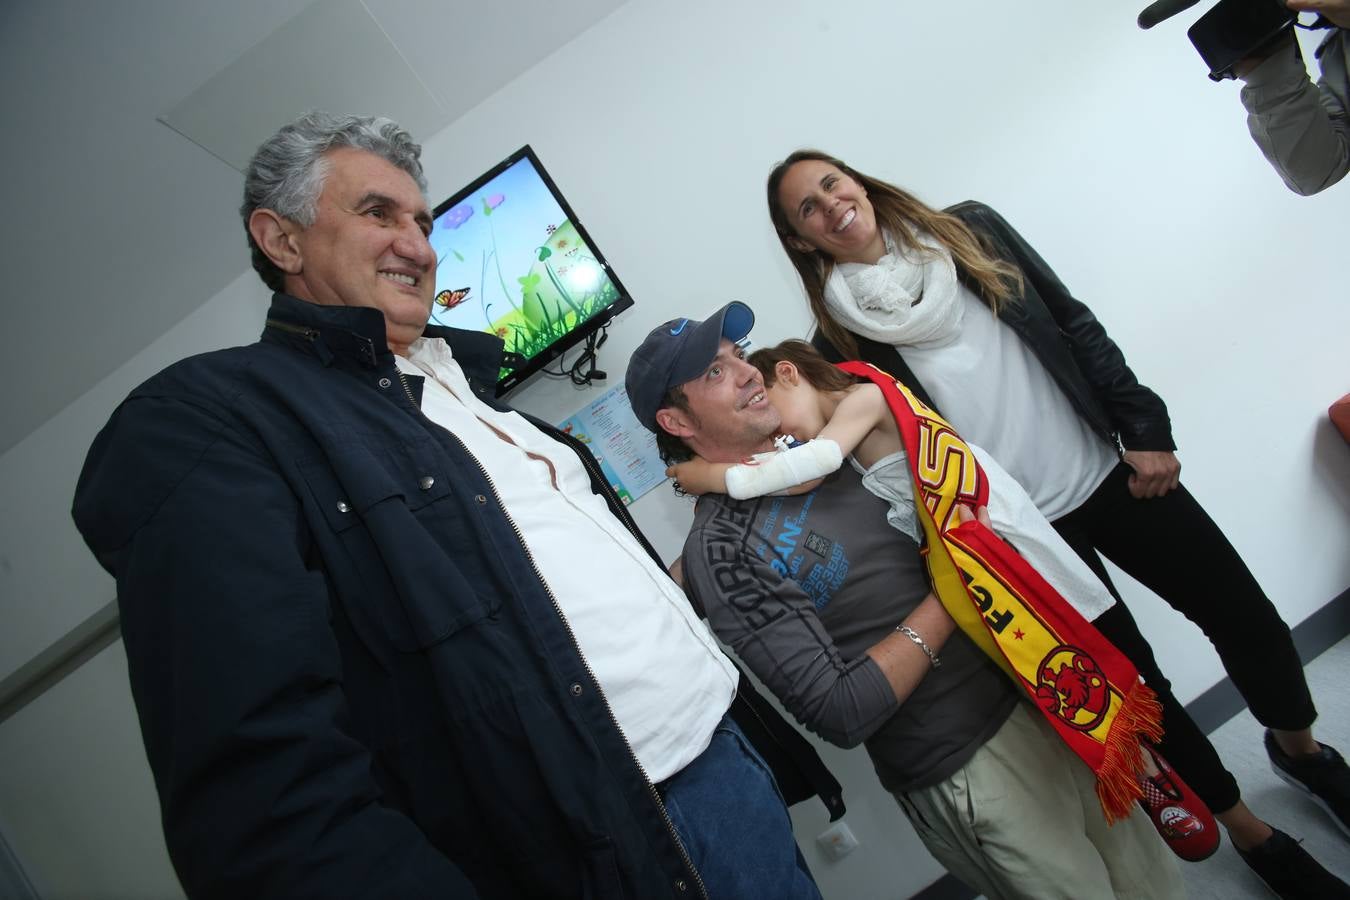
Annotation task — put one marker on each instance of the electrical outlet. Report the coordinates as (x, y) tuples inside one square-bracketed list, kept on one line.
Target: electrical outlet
[(837, 841)]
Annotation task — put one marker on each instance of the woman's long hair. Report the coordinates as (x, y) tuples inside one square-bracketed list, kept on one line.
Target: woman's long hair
[(902, 215)]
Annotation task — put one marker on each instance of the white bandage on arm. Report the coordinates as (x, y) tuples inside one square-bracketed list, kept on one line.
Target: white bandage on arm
[(783, 469)]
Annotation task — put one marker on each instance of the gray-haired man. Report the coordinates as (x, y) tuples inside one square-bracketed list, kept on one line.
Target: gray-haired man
[(365, 659)]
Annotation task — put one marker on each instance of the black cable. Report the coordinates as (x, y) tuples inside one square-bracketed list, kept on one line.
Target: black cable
[(582, 371)]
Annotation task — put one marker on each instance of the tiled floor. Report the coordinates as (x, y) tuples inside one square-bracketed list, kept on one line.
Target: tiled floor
[(1224, 876)]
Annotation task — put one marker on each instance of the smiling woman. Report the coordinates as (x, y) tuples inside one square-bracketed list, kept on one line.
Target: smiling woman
[(832, 208), (811, 189), (957, 306)]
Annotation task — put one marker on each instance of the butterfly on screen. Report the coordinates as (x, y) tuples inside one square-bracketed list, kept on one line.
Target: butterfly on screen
[(451, 299)]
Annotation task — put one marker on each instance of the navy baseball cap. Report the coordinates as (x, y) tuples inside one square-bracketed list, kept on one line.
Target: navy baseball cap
[(679, 351)]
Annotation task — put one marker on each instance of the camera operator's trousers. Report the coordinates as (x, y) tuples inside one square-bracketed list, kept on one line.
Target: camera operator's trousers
[(1172, 547)]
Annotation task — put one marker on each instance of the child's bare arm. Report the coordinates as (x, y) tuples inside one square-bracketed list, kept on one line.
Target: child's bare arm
[(854, 424), (698, 476)]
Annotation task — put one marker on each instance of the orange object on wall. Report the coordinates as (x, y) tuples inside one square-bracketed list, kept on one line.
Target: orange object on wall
[(1340, 416)]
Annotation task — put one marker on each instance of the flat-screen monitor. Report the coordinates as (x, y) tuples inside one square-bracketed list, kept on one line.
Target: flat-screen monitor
[(513, 260)]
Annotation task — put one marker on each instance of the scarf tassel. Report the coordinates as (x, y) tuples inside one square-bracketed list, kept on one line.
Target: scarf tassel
[(1119, 777)]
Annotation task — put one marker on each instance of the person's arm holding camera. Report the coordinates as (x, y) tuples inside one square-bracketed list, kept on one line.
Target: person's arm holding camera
[(1336, 11), (1301, 127)]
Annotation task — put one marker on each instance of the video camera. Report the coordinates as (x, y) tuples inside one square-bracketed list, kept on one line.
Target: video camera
[(1230, 32)]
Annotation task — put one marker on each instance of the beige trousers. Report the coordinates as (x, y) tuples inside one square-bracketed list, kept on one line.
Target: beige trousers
[(1021, 821)]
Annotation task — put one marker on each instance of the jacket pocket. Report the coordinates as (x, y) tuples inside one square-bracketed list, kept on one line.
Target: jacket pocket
[(600, 872), (402, 548), (352, 483)]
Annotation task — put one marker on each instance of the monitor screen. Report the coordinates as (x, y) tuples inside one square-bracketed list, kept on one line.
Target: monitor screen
[(512, 260)]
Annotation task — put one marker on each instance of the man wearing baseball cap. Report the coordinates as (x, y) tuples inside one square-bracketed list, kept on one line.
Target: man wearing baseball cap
[(831, 608), (676, 360)]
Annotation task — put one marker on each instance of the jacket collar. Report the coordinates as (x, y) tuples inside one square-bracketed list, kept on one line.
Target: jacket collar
[(356, 334)]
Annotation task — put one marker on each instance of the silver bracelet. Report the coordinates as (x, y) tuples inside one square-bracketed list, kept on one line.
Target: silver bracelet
[(923, 645)]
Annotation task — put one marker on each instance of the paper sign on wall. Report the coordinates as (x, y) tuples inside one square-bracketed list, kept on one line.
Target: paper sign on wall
[(625, 450)]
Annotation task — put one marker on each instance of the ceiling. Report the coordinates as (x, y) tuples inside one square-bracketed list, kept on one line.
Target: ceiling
[(119, 225)]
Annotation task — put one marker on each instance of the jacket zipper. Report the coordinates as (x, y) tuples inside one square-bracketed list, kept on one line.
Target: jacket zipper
[(571, 636), (403, 380)]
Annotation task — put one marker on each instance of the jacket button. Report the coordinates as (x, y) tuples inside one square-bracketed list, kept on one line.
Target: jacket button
[(680, 885), (480, 498), (576, 689), (425, 482), (385, 382), (343, 507)]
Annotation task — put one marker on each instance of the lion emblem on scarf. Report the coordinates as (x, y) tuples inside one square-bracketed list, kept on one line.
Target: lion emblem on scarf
[(1071, 686)]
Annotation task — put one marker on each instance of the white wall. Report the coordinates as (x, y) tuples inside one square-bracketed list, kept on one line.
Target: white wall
[(79, 803), (1105, 146)]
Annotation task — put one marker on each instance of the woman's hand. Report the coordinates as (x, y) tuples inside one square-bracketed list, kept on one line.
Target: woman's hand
[(1156, 472)]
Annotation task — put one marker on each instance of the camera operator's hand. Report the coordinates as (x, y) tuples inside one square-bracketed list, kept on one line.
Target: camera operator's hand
[(1243, 67), (1336, 11)]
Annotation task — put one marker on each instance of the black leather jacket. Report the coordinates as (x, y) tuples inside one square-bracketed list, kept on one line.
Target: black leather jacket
[(1065, 336)]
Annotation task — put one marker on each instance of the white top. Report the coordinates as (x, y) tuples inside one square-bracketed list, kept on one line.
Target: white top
[(1015, 519), (991, 387), (666, 680)]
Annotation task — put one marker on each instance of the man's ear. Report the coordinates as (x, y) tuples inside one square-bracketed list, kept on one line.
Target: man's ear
[(273, 234), (675, 421)]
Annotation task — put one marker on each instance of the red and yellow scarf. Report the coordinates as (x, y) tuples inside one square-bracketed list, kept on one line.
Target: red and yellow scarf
[(1085, 687)]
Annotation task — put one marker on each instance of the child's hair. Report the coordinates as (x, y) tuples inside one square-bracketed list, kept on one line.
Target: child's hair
[(818, 372)]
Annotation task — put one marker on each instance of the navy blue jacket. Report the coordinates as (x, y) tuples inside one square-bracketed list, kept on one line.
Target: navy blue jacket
[(350, 678), (1063, 333)]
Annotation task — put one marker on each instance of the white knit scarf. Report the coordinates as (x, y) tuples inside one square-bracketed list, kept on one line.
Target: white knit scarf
[(908, 298)]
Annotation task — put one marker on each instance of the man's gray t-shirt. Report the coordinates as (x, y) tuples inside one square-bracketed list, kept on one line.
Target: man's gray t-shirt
[(800, 587)]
